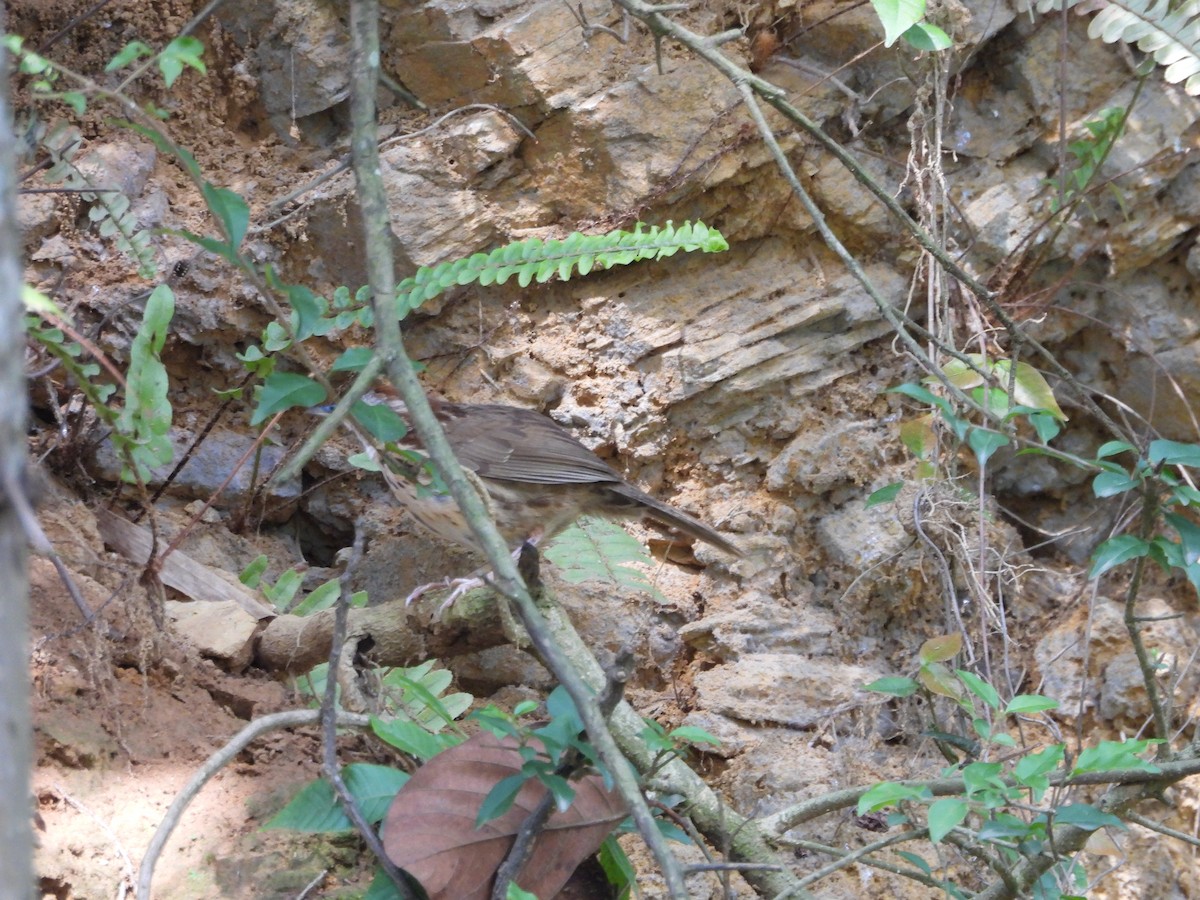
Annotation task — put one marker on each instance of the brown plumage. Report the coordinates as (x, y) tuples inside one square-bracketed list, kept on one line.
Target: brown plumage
[(536, 478)]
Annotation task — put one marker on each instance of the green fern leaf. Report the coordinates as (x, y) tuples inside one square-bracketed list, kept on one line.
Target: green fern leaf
[(599, 550)]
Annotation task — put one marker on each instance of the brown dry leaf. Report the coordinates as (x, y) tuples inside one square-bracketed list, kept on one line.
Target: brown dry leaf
[(430, 827)]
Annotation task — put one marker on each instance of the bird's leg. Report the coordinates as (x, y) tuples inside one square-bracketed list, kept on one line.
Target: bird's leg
[(462, 586)]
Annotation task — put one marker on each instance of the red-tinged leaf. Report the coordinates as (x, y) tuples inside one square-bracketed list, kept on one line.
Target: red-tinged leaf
[(430, 829), (940, 649)]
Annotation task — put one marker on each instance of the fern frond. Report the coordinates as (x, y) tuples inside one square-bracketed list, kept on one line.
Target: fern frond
[(539, 260), (1171, 36), (599, 550)]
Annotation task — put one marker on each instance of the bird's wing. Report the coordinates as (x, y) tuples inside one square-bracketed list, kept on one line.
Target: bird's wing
[(513, 444)]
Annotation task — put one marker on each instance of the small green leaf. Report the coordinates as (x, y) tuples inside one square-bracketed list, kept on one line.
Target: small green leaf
[(937, 679), (985, 443), (354, 359), (323, 597), (884, 494), (183, 51), (1032, 770), (365, 461), (383, 422), (1023, 704), (927, 37), (896, 687), (411, 738), (231, 211), (915, 860), (252, 575), (945, 815), (1115, 551), (132, 51), (1030, 388), (1087, 817), (310, 309), (979, 688), (690, 734), (1189, 535), (316, 808), (499, 798), (284, 390), (1174, 453), (1112, 448), (1109, 484), (889, 793), (1110, 756), (897, 16)]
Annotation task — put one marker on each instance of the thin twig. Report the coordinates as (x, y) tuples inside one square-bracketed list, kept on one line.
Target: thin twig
[(329, 761)]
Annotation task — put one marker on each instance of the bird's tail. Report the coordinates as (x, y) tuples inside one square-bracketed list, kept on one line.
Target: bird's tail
[(640, 501)]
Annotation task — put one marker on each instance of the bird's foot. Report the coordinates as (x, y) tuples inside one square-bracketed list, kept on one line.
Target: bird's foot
[(458, 588)]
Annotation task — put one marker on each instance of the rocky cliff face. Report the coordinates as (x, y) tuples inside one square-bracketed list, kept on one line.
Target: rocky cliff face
[(747, 388)]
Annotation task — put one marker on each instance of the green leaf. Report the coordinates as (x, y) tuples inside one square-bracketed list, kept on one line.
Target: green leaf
[(383, 422), (1189, 535), (945, 815), (925, 36), (316, 807), (411, 738), (1115, 551), (310, 309), (1004, 826), (1087, 817), (183, 51), (1023, 704), (75, 100), (982, 778), (1031, 771), (1109, 484), (513, 892), (282, 591), (616, 865), (275, 338), (145, 420), (1174, 453), (985, 443), (500, 798), (252, 575), (979, 688), (284, 390), (915, 860), (1029, 387), (223, 249), (937, 679), (323, 597), (132, 51), (889, 793), (1110, 756), (1046, 426), (924, 395), (599, 550), (353, 360), (884, 494), (918, 436), (231, 211), (1112, 448), (690, 734), (896, 687), (897, 16)]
